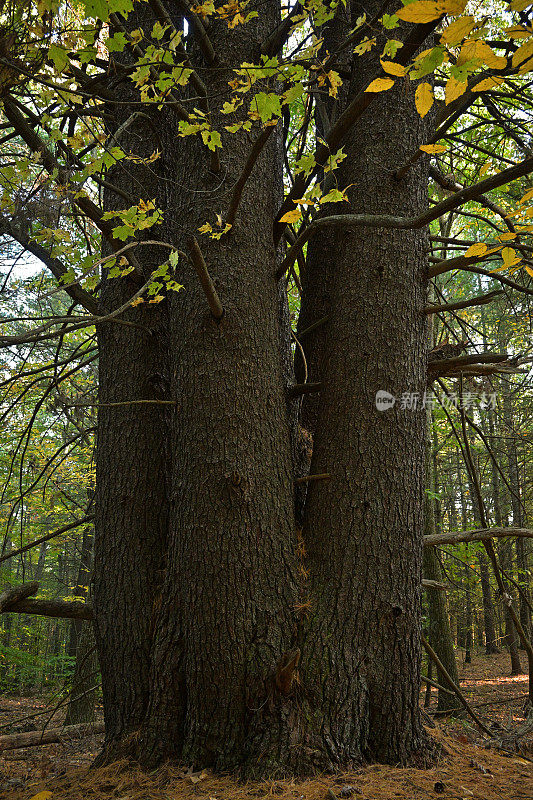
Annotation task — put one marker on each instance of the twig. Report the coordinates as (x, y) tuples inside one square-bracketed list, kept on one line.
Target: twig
[(442, 669), (322, 476), (48, 536), (479, 300)]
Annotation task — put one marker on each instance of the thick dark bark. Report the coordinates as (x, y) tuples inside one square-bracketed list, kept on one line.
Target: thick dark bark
[(316, 278), (363, 530), (227, 614), (133, 456)]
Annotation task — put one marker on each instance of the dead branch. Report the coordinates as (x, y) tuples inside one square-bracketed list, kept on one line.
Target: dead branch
[(205, 279), (48, 536), (479, 300), (479, 535), (52, 608), (17, 593), (438, 663)]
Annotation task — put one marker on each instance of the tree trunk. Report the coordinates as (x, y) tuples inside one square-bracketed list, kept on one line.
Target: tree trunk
[(82, 646), (439, 634), (83, 689), (488, 606), (133, 456), (363, 529), (228, 609)]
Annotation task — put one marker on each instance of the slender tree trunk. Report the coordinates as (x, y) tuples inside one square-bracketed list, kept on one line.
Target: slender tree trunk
[(83, 690), (468, 618), (439, 634), (488, 603), (506, 550), (82, 645)]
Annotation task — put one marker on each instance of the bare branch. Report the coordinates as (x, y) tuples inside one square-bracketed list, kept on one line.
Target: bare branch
[(52, 608), (16, 594), (480, 300), (48, 536), (479, 535), (205, 279)]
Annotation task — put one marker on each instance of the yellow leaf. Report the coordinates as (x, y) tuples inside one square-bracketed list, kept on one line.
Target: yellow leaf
[(489, 57), (523, 53), (519, 5), (291, 216), (528, 195), (42, 796), (420, 12), (506, 237), (478, 249), (393, 69), (425, 11), (458, 30), (380, 85), (484, 169), (488, 83), (423, 98), (136, 302), (518, 32), (527, 66), (433, 148), (528, 270), (454, 89), (509, 257)]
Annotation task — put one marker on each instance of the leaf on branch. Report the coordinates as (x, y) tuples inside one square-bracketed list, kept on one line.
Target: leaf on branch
[(487, 83), (478, 249), (454, 89), (433, 148), (393, 69), (523, 58), (424, 98), (519, 5), (291, 216), (510, 258), (423, 11), (458, 30), (518, 32), (380, 85)]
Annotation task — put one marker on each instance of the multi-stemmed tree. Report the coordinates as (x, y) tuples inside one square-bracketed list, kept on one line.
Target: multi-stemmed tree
[(202, 157)]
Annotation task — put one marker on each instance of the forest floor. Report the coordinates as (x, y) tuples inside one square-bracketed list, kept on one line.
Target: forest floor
[(467, 768)]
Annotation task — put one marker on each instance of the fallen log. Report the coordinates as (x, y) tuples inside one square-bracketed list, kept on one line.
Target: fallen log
[(36, 738)]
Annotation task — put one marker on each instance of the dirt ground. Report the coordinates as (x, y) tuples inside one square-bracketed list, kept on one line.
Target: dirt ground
[(470, 765)]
